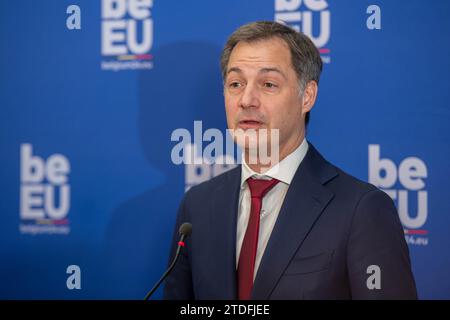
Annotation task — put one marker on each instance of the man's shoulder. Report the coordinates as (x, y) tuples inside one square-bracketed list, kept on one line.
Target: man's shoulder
[(355, 189), (352, 182), (349, 192), (334, 177)]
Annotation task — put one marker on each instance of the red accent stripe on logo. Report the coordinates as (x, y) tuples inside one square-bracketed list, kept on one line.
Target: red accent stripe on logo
[(62, 221), (144, 56), (422, 232), (324, 50), (181, 244)]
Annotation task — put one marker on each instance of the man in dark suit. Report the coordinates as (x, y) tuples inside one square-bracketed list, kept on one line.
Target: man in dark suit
[(298, 228)]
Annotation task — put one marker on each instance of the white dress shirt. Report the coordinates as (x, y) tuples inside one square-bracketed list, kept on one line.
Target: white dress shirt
[(271, 204)]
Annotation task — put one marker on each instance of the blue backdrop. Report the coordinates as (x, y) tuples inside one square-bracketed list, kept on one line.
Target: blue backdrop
[(86, 117)]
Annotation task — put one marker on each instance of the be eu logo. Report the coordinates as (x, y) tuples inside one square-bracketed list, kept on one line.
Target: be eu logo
[(406, 185), (312, 17), (44, 193), (127, 34)]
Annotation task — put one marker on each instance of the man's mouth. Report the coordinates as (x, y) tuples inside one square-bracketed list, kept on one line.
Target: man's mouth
[(250, 124)]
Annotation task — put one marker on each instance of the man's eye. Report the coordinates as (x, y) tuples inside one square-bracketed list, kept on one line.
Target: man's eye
[(234, 85), (270, 85)]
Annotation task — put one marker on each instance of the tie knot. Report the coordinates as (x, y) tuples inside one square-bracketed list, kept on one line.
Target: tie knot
[(259, 187)]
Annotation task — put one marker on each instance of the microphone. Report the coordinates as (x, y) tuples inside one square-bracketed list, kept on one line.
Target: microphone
[(185, 231)]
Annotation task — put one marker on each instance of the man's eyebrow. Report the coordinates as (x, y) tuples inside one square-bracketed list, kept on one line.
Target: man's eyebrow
[(235, 69), (263, 70)]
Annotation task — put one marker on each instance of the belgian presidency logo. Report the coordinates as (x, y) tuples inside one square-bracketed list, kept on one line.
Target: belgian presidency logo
[(410, 196), (127, 35), (313, 19), (44, 193)]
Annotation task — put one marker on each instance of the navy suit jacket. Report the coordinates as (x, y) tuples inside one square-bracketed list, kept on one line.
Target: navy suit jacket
[(331, 228)]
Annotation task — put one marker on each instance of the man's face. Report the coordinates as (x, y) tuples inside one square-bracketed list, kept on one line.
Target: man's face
[(262, 92)]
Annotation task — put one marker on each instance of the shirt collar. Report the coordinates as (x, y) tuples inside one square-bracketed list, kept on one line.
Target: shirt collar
[(283, 171)]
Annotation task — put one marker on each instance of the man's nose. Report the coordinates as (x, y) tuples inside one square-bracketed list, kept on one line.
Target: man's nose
[(249, 97)]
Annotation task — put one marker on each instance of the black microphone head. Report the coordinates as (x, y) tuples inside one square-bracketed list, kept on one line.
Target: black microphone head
[(185, 229)]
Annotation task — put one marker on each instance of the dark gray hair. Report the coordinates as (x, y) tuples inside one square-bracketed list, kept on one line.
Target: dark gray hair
[(305, 57)]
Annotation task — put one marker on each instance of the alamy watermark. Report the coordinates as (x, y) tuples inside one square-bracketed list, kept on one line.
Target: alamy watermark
[(261, 146)]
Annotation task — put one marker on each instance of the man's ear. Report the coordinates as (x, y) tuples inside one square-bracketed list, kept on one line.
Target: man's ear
[(309, 96)]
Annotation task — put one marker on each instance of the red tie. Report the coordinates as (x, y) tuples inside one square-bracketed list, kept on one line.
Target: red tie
[(246, 265)]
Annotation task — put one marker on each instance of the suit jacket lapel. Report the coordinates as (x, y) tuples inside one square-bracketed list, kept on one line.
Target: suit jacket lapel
[(223, 227), (304, 202)]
